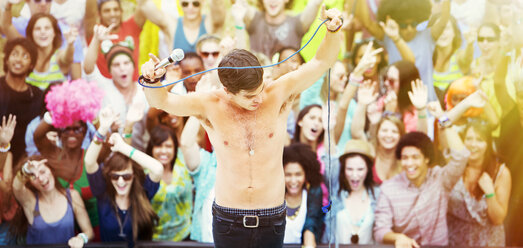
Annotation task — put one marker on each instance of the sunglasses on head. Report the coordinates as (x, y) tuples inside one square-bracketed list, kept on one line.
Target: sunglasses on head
[(76, 130), (47, 1), (206, 54), (126, 177), (404, 25), (195, 4), (489, 39)]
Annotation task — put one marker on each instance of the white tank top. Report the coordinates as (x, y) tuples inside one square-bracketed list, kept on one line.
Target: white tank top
[(294, 228)]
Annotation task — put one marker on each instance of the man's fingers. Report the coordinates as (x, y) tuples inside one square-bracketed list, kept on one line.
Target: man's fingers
[(154, 58), (323, 12)]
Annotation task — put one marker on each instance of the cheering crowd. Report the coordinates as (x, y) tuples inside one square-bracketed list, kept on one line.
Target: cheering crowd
[(413, 137)]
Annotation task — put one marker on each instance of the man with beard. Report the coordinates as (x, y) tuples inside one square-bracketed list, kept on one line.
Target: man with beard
[(16, 96)]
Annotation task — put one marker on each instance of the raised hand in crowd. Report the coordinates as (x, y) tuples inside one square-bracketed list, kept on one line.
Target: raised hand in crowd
[(100, 33), (391, 29), (367, 94), (135, 113), (6, 135), (7, 130), (418, 96), (391, 101), (107, 118)]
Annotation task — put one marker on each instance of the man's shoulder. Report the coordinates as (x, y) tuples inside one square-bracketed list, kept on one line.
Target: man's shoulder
[(392, 185)]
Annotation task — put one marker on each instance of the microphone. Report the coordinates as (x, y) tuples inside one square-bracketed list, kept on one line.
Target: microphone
[(176, 55)]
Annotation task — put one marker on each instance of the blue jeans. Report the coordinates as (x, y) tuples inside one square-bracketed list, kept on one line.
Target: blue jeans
[(232, 230)]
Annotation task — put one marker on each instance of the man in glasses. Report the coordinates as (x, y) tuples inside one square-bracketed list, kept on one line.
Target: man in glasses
[(128, 31), (208, 48), (402, 28), (13, 26), (16, 96), (246, 123)]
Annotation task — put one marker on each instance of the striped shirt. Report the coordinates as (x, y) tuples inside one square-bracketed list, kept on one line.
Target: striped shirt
[(420, 213)]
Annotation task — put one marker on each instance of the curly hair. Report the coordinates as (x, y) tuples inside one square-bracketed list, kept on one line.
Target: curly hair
[(420, 141), (403, 10), (307, 159), (28, 45)]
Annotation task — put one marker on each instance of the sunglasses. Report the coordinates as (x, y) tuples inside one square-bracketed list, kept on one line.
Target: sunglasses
[(195, 4), (76, 130), (206, 54), (47, 1), (489, 39), (126, 177), (404, 25)]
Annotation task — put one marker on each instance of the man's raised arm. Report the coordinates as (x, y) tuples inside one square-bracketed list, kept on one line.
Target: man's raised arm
[(191, 104), (301, 79)]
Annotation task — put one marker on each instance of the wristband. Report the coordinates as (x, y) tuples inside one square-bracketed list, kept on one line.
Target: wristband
[(338, 28), (84, 237), (355, 79), (148, 81), (490, 195), (444, 121), (422, 116), (132, 152), (239, 27), (48, 119), (127, 135), (5, 148)]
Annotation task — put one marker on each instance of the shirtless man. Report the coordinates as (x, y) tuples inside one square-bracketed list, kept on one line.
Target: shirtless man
[(246, 124)]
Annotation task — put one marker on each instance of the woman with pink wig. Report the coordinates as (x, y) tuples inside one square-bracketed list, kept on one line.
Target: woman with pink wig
[(70, 106)]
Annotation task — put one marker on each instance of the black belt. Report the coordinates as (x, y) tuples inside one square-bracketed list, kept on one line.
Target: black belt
[(250, 221)]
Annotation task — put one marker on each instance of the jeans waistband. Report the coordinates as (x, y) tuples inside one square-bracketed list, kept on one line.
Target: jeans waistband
[(257, 212)]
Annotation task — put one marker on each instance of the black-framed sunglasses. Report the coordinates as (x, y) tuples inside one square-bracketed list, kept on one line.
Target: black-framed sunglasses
[(195, 4), (126, 176), (47, 1), (206, 54), (489, 39), (76, 130), (404, 25)]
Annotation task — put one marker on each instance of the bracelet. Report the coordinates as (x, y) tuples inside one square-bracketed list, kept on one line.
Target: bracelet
[(490, 195), (5, 148), (422, 116), (84, 237), (354, 84), (148, 81), (48, 119), (132, 152), (338, 28), (127, 135), (355, 79), (444, 121), (239, 27)]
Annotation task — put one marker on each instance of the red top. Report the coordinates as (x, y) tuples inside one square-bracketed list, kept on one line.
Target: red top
[(128, 36)]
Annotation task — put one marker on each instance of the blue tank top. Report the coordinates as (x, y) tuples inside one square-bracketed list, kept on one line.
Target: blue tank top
[(180, 41), (59, 232)]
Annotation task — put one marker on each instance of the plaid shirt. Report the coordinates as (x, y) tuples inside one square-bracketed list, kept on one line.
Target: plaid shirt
[(420, 213)]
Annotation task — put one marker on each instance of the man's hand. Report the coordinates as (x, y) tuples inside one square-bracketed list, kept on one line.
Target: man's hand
[(334, 15), (148, 71), (102, 33), (405, 242), (7, 130), (391, 28)]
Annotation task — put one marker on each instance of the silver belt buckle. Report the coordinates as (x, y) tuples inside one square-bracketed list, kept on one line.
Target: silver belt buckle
[(250, 216)]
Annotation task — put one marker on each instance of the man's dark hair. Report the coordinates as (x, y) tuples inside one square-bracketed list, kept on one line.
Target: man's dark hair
[(29, 46), (403, 10), (418, 140), (191, 55), (236, 80), (101, 2), (304, 155)]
